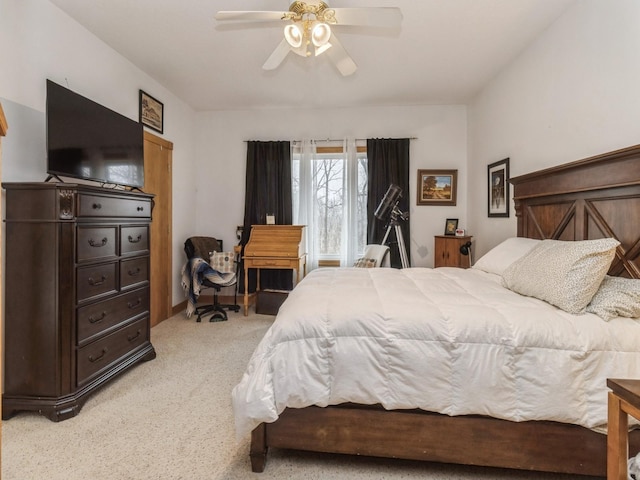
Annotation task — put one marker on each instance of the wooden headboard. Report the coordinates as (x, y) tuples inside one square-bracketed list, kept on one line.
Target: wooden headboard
[(593, 198)]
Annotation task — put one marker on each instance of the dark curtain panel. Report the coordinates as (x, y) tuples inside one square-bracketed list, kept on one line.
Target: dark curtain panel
[(388, 163), (267, 190)]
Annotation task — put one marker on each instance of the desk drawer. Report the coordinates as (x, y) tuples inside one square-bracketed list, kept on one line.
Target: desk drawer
[(134, 271), (96, 242), (99, 355), (272, 263), (104, 206), (100, 317), (96, 280)]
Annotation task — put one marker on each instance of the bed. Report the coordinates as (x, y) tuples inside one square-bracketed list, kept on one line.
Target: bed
[(501, 404)]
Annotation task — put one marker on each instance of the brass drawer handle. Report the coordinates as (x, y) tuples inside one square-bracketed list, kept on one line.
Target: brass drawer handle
[(135, 304), (134, 240), (93, 359), (97, 319), (133, 273), (131, 338), (98, 244), (95, 283)]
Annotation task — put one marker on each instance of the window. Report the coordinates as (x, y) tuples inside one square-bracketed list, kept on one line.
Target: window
[(330, 197)]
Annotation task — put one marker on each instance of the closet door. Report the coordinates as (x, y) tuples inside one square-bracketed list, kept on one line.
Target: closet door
[(157, 180)]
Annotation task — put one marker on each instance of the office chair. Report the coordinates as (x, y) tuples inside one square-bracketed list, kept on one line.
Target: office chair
[(200, 249)]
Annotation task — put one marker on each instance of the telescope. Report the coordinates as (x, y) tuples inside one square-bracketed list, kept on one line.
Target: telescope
[(388, 211), (388, 203)]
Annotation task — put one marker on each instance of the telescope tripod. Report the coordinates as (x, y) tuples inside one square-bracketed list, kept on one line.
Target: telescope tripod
[(395, 224)]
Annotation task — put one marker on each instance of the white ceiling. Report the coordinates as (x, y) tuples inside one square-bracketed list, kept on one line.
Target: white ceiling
[(444, 52)]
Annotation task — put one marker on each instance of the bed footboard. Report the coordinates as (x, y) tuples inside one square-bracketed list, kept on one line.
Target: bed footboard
[(418, 435)]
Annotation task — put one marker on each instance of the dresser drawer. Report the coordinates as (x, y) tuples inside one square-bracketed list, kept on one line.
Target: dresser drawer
[(103, 316), (96, 242), (134, 239), (104, 206), (96, 280), (99, 355), (134, 271)]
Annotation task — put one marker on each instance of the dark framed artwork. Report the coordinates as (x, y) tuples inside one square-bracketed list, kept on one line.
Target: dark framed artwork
[(151, 112), (451, 226), (437, 187), (498, 189)]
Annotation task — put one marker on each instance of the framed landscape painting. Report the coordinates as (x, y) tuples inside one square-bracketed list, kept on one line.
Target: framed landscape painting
[(437, 187), (498, 188)]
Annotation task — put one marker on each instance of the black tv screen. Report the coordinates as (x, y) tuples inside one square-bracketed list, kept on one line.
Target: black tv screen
[(89, 141)]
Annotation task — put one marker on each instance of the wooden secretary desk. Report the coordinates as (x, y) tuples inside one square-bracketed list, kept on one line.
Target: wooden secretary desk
[(273, 247)]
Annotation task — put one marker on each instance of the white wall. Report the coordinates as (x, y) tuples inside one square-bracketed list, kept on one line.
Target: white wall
[(221, 151), (39, 42), (572, 94)]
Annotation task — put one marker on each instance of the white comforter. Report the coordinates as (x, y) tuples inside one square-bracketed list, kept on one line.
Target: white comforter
[(445, 340)]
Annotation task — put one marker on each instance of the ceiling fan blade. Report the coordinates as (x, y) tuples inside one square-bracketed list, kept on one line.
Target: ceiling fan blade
[(340, 58), (250, 16), (278, 55), (369, 16)]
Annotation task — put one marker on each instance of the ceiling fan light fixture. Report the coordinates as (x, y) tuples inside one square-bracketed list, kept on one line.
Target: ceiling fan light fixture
[(320, 34), (294, 35), (322, 48)]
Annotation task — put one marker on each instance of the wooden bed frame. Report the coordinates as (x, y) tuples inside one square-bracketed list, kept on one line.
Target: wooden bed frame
[(592, 198)]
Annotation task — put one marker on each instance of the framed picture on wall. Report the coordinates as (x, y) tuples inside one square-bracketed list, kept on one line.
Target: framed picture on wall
[(437, 187), (498, 189), (151, 112)]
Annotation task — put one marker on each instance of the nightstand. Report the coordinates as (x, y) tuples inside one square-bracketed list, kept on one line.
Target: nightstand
[(624, 400), (447, 251)]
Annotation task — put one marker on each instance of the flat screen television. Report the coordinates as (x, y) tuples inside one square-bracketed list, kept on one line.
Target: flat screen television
[(89, 141)]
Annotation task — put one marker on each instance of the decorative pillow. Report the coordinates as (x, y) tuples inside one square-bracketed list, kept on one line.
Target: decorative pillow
[(501, 256), (616, 297), (365, 263), (223, 262), (564, 274)]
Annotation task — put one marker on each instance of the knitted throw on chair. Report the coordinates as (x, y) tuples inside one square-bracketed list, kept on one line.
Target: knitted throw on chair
[(193, 274)]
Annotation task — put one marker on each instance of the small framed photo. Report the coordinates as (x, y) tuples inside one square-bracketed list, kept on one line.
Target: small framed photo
[(151, 112), (451, 226), (498, 188), (437, 187)]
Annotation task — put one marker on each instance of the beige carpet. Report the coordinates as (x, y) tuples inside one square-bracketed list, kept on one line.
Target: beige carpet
[(171, 419)]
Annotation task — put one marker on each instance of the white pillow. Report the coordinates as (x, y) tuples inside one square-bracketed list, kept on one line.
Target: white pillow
[(501, 256), (564, 274), (616, 297)]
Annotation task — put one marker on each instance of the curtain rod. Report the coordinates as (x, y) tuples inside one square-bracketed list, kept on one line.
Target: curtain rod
[(332, 140)]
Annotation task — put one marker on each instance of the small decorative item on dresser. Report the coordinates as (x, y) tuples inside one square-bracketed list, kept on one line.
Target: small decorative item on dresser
[(460, 232), (451, 226)]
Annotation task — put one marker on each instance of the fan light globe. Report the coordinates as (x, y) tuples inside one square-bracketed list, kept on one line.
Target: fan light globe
[(320, 34), (293, 35)]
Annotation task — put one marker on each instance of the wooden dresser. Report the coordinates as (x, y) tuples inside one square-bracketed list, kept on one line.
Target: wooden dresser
[(447, 251), (76, 293), (273, 246)]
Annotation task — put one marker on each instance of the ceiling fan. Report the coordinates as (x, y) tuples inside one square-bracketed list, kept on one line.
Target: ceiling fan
[(309, 27)]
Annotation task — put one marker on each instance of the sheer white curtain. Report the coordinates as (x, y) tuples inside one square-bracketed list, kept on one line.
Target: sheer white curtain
[(351, 241), (305, 184), (327, 190)]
